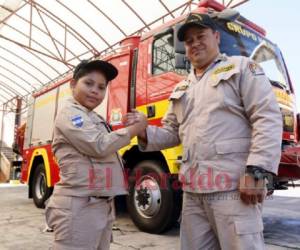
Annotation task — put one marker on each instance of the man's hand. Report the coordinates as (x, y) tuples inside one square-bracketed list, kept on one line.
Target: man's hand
[(251, 190), (131, 118), (136, 123)]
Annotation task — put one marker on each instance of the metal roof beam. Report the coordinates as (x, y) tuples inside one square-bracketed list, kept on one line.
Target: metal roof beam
[(36, 56), (166, 8), (136, 14), (4, 98), (15, 92), (35, 50), (238, 4), (38, 28), (42, 46), (55, 18), (16, 75), (14, 82), (50, 35), (12, 12), (83, 21), (17, 66), (186, 4), (29, 63), (107, 17), (30, 24), (4, 89)]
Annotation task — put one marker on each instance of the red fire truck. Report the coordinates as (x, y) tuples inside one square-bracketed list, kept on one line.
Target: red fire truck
[(149, 68)]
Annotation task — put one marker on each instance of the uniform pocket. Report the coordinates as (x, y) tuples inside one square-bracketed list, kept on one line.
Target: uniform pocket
[(248, 226), (90, 220), (224, 75), (68, 169), (59, 216), (102, 172), (177, 103), (237, 145), (176, 95), (107, 159), (185, 155)]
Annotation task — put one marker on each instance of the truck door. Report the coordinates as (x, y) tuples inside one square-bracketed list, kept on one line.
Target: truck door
[(118, 89), (162, 75)]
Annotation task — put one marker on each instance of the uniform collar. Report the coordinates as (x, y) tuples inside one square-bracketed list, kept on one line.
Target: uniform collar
[(219, 58), (72, 100)]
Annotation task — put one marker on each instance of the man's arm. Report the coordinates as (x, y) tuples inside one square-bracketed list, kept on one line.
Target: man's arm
[(157, 138), (264, 115), (89, 139)]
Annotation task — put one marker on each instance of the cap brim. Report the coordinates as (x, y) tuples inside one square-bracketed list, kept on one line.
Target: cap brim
[(182, 30), (109, 70)]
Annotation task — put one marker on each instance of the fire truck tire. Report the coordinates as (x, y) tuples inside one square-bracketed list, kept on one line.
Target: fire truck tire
[(153, 205), (40, 191)]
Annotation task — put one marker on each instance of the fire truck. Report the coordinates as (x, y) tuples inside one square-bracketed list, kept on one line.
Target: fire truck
[(149, 67)]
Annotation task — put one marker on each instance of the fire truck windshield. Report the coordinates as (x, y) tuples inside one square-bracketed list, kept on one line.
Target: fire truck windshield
[(238, 40), (235, 40)]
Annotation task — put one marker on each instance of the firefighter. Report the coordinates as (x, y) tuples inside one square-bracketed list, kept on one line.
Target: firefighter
[(229, 123), (80, 211)]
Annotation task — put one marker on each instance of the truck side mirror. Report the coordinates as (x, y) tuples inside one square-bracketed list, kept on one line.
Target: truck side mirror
[(181, 62), (227, 15), (178, 45)]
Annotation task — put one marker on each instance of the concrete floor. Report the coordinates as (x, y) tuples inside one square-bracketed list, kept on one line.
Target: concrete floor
[(22, 225)]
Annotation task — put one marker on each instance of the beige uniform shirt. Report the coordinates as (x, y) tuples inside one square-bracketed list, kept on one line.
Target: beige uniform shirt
[(226, 120), (86, 152)]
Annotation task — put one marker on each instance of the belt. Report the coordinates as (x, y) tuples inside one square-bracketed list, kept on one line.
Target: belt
[(106, 198), (102, 197)]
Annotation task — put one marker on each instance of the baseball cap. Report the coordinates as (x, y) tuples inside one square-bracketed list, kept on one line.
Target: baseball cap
[(195, 19), (109, 70)]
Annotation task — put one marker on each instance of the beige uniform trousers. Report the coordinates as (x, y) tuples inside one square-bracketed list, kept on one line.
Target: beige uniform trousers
[(80, 223), (220, 221)]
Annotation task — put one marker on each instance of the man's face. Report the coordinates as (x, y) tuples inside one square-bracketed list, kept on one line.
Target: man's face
[(90, 89), (201, 45)]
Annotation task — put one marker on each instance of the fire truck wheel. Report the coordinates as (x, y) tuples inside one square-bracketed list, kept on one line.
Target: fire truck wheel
[(153, 205), (40, 191)]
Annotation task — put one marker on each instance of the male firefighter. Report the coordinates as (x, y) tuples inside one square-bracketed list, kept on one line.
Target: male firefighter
[(229, 123)]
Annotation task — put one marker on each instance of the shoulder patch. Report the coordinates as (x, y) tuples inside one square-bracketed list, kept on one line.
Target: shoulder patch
[(255, 69), (224, 69), (77, 121), (181, 88)]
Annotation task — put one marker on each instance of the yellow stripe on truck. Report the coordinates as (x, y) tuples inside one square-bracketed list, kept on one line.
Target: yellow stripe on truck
[(40, 102), (161, 108), (41, 152), (43, 101)]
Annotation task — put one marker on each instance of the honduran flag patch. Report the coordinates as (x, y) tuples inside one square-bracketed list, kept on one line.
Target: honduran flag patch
[(77, 121)]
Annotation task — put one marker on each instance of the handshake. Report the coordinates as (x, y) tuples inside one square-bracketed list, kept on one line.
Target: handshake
[(136, 122)]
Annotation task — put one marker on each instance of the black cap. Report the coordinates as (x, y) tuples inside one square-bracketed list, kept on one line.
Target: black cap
[(109, 70), (195, 19)]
